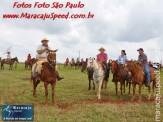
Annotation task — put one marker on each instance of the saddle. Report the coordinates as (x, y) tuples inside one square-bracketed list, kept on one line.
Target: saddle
[(104, 68)]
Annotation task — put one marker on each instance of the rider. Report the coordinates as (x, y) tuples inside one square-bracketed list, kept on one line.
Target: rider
[(82, 60), (102, 58), (67, 61), (77, 60), (122, 58), (144, 62), (8, 56), (28, 58), (42, 51)]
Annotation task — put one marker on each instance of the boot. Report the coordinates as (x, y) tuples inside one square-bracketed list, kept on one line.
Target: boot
[(58, 77)]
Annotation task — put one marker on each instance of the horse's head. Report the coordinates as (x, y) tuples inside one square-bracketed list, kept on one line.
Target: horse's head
[(84, 66), (114, 66), (90, 63), (16, 59), (128, 67), (52, 58)]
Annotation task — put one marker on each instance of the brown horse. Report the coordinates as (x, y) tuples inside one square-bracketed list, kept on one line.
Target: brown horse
[(48, 76), (11, 62), (30, 63), (90, 75), (137, 76), (118, 76)]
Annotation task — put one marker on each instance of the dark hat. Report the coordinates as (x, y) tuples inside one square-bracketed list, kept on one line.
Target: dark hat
[(140, 49)]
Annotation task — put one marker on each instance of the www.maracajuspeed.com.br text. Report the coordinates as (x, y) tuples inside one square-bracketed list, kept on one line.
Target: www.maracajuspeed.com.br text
[(52, 16)]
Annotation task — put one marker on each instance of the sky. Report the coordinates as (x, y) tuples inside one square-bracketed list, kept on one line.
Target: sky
[(117, 25)]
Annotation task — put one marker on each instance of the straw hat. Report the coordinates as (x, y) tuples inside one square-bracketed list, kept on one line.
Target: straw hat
[(101, 49), (44, 39)]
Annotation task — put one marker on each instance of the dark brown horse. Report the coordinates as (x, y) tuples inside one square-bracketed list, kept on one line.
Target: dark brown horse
[(48, 76), (11, 62), (30, 63), (90, 75), (118, 76), (137, 76)]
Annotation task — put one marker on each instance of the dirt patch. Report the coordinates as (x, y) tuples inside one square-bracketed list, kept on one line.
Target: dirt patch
[(102, 101)]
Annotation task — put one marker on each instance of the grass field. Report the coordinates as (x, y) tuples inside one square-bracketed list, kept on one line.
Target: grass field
[(74, 101)]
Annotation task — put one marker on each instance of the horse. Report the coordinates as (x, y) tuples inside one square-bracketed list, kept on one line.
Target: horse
[(89, 73), (137, 75), (67, 64), (48, 76), (11, 62), (98, 75), (30, 63), (78, 64), (118, 75)]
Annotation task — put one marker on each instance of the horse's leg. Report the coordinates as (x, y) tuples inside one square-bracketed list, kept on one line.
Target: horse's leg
[(35, 83), (134, 87), (99, 90), (149, 94), (102, 84), (121, 87), (140, 86), (129, 88), (124, 86), (46, 92), (116, 85), (53, 93), (93, 86), (106, 87), (89, 83)]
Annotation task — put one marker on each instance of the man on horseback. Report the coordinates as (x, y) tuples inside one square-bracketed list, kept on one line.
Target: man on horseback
[(8, 57), (28, 58), (67, 61), (144, 62), (102, 58), (42, 51)]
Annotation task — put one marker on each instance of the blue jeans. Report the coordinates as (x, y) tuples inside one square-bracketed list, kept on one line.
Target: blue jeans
[(147, 73), (108, 69)]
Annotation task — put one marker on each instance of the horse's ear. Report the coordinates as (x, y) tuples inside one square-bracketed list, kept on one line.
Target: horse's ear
[(55, 50)]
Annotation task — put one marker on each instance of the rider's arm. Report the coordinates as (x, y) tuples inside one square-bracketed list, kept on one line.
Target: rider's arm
[(41, 51)]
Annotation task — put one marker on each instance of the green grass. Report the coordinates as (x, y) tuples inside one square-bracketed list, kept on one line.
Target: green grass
[(74, 101)]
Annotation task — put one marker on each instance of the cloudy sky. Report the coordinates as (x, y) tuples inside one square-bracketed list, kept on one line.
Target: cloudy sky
[(117, 25)]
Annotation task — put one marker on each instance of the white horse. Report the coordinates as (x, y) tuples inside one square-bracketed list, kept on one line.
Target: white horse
[(98, 74)]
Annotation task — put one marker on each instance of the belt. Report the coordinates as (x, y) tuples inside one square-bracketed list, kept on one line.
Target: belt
[(42, 58)]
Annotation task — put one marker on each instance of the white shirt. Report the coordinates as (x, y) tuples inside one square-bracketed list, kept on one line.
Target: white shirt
[(45, 53), (8, 56)]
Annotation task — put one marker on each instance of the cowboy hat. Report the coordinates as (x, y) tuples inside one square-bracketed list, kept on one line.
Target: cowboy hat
[(101, 49), (140, 49), (44, 39)]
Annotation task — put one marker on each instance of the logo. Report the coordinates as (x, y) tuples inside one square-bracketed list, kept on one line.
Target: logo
[(17, 112)]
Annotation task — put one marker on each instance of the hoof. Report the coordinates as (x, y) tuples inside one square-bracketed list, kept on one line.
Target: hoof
[(132, 100), (35, 95), (139, 100), (149, 98)]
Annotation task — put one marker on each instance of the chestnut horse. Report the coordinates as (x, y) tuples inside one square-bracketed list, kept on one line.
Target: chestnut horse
[(30, 63), (89, 73), (118, 75), (11, 62), (48, 76), (137, 76)]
